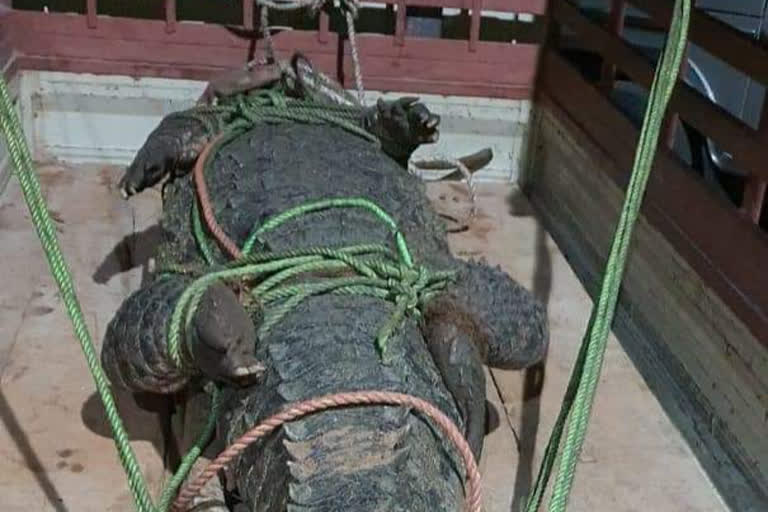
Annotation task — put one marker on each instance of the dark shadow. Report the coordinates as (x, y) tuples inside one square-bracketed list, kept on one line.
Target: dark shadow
[(492, 418), (534, 376), (133, 409), (30, 457), (135, 250)]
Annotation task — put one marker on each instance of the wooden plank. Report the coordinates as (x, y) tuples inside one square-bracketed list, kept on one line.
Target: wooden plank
[(492, 70), (716, 37), (718, 370), (731, 133), (679, 204)]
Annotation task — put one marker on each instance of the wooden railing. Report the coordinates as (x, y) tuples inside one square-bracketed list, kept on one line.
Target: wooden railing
[(721, 241), (169, 47), (746, 145)]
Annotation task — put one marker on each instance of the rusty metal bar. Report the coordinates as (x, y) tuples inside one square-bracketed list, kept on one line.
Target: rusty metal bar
[(400, 23), (170, 16), (90, 8), (474, 26), (616, 27), (248, 14)]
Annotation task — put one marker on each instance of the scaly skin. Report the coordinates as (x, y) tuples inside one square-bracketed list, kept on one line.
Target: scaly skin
[(362, 459)]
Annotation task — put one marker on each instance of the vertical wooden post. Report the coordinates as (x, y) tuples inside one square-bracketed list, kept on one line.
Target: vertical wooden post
[(754, 197), (248, 14), (474, 25), (616, 27), (170, 16), (90, 10), (325, 26), (400, 23), (673, 118), (755, 189)]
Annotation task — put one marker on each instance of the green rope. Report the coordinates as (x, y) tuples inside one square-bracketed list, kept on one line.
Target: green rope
[(324, 204), (24, 169), (272, 106), (170, 491), (202, 240), (580, 394), (381, 274), (30, 186), (387, 277)]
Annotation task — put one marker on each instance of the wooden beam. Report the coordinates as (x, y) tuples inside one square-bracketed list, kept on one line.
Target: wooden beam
[(726, 250), (731, 133), (615, 26), (716, 37)]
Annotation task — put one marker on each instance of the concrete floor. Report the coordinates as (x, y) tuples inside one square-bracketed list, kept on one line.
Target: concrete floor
[(55, 450)]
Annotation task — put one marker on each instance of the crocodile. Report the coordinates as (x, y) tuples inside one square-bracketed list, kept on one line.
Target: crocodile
[(372, 458)]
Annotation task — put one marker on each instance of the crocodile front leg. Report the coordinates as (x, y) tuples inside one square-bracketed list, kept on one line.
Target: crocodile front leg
[(171, 149), (221, 344), (458, 347), (511, 322)]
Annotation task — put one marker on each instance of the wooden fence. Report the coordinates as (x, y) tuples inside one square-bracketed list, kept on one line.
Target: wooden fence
[(87, 42), (694, 306)]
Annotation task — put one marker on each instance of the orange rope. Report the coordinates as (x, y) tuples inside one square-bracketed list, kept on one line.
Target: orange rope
[(297, 410), (205, 203), (473, 491)]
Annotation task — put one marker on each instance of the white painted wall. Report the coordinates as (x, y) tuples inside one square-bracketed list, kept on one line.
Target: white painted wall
[(78, 118)]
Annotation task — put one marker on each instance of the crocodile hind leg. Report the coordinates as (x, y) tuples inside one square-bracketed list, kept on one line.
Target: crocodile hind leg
[(513, 323), (484, 318), (453, 341)]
